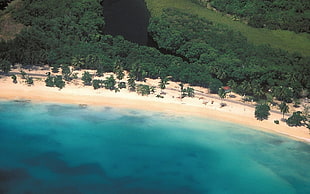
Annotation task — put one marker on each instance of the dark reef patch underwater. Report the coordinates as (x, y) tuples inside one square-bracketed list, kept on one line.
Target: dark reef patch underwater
[(49, 148)]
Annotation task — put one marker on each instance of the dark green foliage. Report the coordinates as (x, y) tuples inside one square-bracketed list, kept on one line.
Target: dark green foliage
[(86, 78), (52, 81), (97, 84), (214, 51), (5, 66), (58, 82), (284, 108), (66, 72), (14, 78), (121, 85), (190, 92), (131, 82), (4, 4), (55, 68), (215, 85), (49, 81), (283, 93), (59, 30), (143, 89), (23, 73), (275, 14), (222, 93), (119, 71), (163, 82), (276, 122), (29, 80), (110, 82), (297, 119), (262, 112), (70, 32)]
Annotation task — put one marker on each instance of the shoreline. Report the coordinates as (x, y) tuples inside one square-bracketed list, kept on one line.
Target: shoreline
[(75, 93)]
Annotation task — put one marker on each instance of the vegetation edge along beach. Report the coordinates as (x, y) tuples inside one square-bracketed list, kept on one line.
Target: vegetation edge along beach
[(63, 55)]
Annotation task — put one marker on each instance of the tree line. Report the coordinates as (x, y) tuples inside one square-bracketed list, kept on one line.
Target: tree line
[(215, 52), (272, 14)]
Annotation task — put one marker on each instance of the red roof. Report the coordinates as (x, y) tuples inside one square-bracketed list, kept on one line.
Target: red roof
[(226, 87)]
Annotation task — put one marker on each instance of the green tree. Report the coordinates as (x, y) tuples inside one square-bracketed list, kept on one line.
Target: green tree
[(222, 93), (23, 73), (283, 93), (284, 108), (5, 65), (66, 72), (97, 84), (49, 82), (110, 82), (262, 112), (143, 89), (86, 78), (163, 82), (121, 85), (119, 71), (29, 80), (77, 62), (55, 68), (190, 92), (297, 119), (59, 83), (214, 86), (14, 78), (131, 82)]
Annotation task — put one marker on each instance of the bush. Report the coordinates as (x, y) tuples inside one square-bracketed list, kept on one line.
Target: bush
[(49, 82), (276, 122), (262, 112), (97, 84), (29, 80), (121, 85), (297, 119), (14, 78), (59, 82), (86, 78), (5, 65)]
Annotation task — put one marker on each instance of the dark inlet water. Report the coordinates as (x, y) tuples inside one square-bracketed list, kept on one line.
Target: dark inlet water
[(128, 18)]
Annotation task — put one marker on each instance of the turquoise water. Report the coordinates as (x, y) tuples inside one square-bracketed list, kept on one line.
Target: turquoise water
[(49, 148)]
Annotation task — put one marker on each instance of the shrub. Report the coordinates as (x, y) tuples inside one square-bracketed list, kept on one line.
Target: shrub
[(262, 112), (297, 119)]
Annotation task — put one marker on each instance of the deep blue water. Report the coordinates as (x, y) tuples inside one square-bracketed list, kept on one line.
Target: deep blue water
[(49, 148)]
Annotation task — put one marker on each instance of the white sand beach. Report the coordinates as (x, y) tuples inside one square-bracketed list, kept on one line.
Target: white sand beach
[(202, 105)]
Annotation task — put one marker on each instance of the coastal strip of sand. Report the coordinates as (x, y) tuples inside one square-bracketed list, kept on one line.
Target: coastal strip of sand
[(201, 106)]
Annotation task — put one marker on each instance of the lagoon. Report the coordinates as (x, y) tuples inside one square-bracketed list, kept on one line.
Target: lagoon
[(58, 148)]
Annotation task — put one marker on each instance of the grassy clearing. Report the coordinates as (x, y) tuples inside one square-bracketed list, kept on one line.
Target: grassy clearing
[(8, 27), (281, 39)]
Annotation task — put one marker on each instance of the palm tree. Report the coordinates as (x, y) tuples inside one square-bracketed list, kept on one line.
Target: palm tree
[(182, 94), (190, 92), (163, 82), (222, 93), (284, 108)]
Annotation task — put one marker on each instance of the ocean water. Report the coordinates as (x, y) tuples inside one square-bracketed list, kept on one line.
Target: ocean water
[(52, 148)]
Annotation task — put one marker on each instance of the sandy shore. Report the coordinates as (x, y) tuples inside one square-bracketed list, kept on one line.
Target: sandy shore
[(75, 93)]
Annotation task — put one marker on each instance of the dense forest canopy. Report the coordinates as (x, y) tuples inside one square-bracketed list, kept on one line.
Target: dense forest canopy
[(293, 15), (227, 56), (4, 4), (204, 54)]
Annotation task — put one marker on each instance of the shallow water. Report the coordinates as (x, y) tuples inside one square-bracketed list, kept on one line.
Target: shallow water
[(49, 148)]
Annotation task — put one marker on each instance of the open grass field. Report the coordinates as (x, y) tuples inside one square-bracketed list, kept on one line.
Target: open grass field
[(281, 39)]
